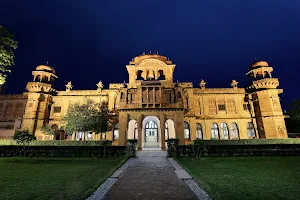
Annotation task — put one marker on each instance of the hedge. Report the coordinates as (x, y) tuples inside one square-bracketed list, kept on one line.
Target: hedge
[(62, 151), (60, 143), (249, 141), (237, 150)]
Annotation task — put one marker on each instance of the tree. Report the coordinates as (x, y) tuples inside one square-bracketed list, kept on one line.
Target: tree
[(23, 137), (47, 130), (294, 110), (87, 117), (293, 123), (7, 47)]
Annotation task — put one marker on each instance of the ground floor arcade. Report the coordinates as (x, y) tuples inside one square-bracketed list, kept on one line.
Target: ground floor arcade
[(152, 129)]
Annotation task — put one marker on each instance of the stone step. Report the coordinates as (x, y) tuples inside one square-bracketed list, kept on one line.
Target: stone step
[(153, 153), (151, 149)]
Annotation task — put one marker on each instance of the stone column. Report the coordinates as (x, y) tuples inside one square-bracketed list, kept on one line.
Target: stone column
[(153, 97), (147, 96), (123, 125), (179, 126), (162, 131), (193, 129), (140, 128)]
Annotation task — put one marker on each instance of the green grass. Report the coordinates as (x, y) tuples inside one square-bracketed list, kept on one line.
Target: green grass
[(54, 178), (247, 178)]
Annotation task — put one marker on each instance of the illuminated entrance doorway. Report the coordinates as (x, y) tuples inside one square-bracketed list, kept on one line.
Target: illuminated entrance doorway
[(151, 132)]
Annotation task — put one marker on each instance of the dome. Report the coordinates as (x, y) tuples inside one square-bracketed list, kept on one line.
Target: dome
[(139, 58), (45, 68), (258, 64)]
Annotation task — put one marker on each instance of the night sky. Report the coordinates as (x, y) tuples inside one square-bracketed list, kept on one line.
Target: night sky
[(215, 40)]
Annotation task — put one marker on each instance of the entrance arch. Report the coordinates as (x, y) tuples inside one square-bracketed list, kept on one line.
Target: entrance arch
[(151, 133), (170, 129), (132, 132)]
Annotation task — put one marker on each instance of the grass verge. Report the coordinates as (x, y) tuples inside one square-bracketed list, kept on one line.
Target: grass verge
[(54, 178), (246, 177)]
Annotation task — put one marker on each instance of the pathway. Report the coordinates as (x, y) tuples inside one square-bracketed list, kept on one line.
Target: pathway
[(150, 176)]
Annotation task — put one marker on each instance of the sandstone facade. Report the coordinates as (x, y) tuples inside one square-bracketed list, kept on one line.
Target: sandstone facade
[(152, 107)]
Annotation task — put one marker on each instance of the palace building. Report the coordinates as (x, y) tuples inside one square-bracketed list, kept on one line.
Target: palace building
[(152, 108)]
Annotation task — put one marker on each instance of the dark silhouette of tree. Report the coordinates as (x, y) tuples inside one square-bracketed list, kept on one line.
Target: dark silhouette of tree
[(7, 47)]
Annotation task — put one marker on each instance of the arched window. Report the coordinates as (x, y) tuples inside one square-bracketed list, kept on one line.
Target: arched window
[(234, 131), (179, 95), (166, 131), (151, 125), (224, 129), (199, 131), (115, 102), (186, 130), (250, 130), (214, 131), (135, 131), (116, 132), (187, 102), (38, 78)]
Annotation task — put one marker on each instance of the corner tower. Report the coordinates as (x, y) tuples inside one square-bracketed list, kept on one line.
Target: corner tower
[(39, 101), (266, 102)]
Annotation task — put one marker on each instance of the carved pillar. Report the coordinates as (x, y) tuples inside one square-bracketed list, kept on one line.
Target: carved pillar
[(123, 125), (147, 101), (153, 95), (162, 126), (193, 129), (179, 127), (140, 128)]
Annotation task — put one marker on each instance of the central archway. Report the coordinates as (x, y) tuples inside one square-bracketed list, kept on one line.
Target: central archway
[(151, 133)]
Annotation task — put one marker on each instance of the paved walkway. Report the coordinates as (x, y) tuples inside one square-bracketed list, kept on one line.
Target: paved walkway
[(151, 176)]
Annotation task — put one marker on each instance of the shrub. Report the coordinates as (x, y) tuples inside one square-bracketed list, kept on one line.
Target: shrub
[(132, 141), (249, 141), (105, 143), (62, 151), (172, 147), (239, 150), (23, 137), (58, 142), (131, 147)]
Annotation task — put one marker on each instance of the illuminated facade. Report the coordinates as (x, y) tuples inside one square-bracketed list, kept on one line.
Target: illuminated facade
[(152, 107)]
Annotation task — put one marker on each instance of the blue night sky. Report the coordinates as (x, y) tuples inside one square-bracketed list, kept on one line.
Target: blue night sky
[(215, 40)]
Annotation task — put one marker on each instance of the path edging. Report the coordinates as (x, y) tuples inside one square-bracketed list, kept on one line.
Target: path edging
[(184, 175), (104, 187)]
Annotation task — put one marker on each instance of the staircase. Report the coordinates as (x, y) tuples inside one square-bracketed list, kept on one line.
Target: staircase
[(151, 153)]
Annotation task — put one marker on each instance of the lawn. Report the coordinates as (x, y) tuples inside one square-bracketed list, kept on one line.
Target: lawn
[(53, 178), (247, 177)]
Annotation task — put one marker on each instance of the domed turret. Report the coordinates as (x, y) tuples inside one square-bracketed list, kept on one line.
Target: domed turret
[(260, 73), (43, 79), (260, 68), (44, 74), (45, 68), (258, 64)]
